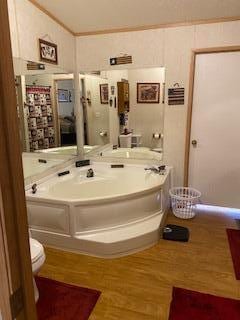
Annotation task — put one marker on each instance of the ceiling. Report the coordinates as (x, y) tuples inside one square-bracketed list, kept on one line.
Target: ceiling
[(89, 16)]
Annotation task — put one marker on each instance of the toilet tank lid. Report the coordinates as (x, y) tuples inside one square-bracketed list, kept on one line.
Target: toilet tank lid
[(36, 250)]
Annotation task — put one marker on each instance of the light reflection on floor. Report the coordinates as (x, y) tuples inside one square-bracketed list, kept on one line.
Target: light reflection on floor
[(232, 212)]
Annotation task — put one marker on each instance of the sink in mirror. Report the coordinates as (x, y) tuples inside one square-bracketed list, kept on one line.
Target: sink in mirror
[(124, 111), (35, 164)]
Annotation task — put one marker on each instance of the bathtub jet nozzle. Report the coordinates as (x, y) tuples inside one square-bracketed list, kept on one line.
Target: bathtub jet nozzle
[(90, 173)]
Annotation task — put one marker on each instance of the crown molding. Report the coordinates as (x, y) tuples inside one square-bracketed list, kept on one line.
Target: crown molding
[(158, 26)]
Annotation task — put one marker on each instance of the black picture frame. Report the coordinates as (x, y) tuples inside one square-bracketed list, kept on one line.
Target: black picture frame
[(104, 93)]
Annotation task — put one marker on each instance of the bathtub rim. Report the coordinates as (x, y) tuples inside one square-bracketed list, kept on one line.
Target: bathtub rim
[(98, 200)]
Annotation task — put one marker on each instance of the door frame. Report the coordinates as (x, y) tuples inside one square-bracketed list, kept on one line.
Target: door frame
[(5, 291), (21, 100), (56, 104), (85, 103), (13, 213), (196, 52)]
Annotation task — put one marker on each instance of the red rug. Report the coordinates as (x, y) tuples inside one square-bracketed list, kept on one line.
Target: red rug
[(234, 243), (60, 301), (192, 305)]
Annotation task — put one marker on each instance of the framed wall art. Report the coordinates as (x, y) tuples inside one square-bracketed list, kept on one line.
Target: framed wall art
[(148, 92), (48, 51), (40, 117), (63, 95), (104, 95), (176, 96)]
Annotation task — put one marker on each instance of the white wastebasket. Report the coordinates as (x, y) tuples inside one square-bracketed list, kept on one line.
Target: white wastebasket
[(183, 201)]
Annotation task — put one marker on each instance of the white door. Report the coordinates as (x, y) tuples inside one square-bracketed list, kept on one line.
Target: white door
[(214, 167)]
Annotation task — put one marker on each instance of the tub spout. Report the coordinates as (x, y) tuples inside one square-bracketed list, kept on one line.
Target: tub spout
[(153, 169)]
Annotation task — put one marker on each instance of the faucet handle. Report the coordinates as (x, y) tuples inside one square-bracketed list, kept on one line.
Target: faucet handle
[(34, 188), (162, 167)]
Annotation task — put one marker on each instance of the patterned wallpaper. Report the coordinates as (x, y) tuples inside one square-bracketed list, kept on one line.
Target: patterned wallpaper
[(40, 117)]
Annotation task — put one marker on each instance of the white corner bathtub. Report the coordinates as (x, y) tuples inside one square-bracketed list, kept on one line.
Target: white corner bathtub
[(117, 212)]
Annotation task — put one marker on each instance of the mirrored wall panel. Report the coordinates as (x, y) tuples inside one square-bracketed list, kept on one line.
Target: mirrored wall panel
[(124, 110), (45, 104)]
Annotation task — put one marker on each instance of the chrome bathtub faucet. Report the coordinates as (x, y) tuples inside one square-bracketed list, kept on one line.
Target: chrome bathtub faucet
[(159, 170)]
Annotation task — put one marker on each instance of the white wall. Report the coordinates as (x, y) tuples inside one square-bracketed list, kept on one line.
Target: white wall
[(40, 80), (146, 118), (170, 48), (143, 118), (13, 28), (114, 77), (97, 113), (28, 24)]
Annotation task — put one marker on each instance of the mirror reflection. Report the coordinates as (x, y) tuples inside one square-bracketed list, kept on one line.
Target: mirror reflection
[(45, 103), (124, 110), (123, 114)]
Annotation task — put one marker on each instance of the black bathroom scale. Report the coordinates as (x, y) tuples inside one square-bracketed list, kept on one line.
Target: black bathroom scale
[(175, 233)]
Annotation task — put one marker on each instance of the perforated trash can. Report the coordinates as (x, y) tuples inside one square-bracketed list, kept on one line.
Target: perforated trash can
[(183, 201)]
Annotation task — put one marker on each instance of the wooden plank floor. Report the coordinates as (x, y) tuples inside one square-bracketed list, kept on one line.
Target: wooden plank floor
[(139, 287)]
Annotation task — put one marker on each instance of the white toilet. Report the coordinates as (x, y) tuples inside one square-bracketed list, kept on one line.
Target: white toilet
[(38, 257)]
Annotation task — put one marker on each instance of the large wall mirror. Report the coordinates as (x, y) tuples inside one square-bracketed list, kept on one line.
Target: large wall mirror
[(123, 114), (124, 111), (45, 104)]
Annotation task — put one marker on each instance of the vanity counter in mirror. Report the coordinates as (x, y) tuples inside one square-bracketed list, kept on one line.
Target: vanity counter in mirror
[(69, 150), (36, 163), (132, 153)]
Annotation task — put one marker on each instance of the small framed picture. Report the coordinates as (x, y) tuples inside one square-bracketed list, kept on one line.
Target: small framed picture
[(104, 95), (148, 92), (112, 90), (48, 52), (63, 95)]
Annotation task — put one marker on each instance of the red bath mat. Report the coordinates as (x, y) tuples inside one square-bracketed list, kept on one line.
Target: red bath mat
[(192, 305), (60, 301), (234, 243)]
